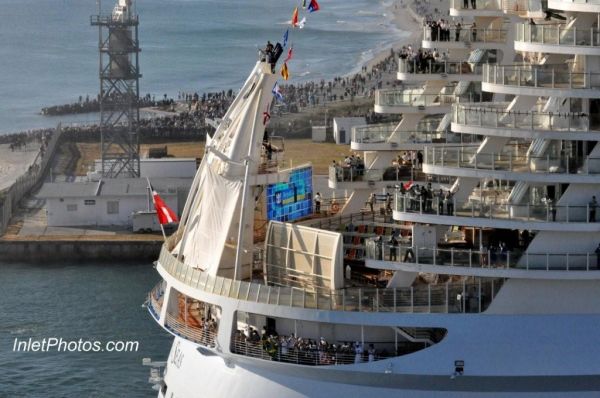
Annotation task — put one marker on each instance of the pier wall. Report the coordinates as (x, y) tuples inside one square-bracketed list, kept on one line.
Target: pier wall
[(11, 196), (41, 251)]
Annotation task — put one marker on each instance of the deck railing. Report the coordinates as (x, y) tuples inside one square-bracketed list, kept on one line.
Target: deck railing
[(544, 212), (540, 76), (466, 34), (438, 67), (557, 35), (497, 117), (196, 334), (509, 160), (381, 133), (315, 357), (487, 258), (440, 298), (476, 4), (411, 97)]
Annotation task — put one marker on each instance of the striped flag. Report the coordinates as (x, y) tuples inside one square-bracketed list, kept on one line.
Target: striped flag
[(295, 18)]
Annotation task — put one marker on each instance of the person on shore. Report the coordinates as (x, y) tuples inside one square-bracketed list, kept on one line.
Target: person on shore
[(474, 31), (457, 31)]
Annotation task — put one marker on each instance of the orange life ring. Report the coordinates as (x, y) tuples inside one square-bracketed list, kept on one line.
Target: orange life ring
[(335, 207)]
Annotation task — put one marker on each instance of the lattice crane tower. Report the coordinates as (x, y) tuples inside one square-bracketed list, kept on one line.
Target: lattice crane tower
[(119, 89)]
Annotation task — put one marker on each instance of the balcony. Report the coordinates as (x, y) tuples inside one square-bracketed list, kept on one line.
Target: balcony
[(347, 177), (465, 38), (540, 80), (575, 5), (412, 101), (476, 8), (411, 70), (555, 38), (481, 118), (512, 163), (380, 137), (489, 261), (524, 8), (528, 215)]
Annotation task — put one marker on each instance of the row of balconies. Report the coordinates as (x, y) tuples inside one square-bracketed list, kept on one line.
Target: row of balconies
[(542, 212), (495, 116), (540, 76), (509, 159)]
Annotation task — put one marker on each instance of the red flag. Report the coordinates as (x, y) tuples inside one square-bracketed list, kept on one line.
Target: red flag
[(313, 6), (164, 213), (289, 55), (295, 17), (408, 185)]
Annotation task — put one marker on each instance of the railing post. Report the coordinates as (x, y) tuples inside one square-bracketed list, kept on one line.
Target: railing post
[(429, 297), (344, 300), (470, 258), (587, 261), (360, 299), (567, 261), (394, 299), (412, 299), (447, 295), (527, 261), (547, 262), (452, 256)]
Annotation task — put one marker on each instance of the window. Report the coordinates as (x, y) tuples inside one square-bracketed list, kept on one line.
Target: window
[(89, 202), (112, 207), (72, 207)]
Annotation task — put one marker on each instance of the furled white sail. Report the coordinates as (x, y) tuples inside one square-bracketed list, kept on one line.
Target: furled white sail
[(210, 222)]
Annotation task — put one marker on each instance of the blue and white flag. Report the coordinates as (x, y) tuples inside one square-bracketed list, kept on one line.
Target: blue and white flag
[(277, 92), (285, 37)]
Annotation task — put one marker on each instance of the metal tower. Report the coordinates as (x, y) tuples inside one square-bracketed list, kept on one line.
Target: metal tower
[(119, 89)]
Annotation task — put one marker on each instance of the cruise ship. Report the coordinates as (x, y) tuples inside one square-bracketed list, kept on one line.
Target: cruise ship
[(473, 270)]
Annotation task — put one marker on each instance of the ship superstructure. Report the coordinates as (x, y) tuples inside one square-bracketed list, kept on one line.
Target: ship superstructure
[(483, 283)]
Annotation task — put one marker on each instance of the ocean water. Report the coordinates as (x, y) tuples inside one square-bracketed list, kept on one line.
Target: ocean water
[(49, 50), (95, 302)]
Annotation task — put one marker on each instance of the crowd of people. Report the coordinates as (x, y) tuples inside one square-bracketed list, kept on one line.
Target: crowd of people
[(88, 105), (421, 198), (444, 30), (302, 350)]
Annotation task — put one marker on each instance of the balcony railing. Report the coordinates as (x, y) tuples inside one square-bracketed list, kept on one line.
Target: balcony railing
[(465, 34), (311, 357), (521, 7), (496, 116), (557, 35), (155, 300), (381, 133), (476, 4), (392, 174), (203, 336), (411, 98), (509, 160), (576, 213), (438, 67), (441, 298), (468, 258), (543, 76)]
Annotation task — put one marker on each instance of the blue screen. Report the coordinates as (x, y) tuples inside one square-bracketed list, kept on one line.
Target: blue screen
[(288, 201)]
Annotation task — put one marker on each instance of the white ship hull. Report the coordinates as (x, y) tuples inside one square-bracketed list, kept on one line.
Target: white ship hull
[(556, 358)]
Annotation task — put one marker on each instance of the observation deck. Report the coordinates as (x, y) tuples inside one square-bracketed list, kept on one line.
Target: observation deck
[(412, 71), (387, 137), (511, 164), (556, 39), (489, 214), (491, 119), (466, 38), (412, 101), (485, 263), (540, 80), (476, 8)]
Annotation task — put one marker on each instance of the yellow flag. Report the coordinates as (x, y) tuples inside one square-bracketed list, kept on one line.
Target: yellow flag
[(284, 71)]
